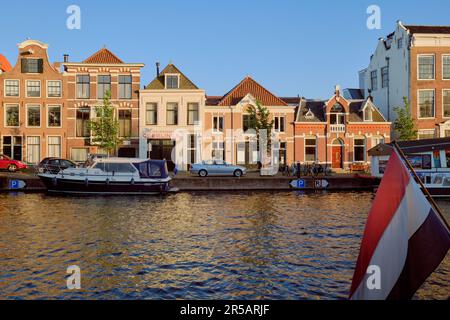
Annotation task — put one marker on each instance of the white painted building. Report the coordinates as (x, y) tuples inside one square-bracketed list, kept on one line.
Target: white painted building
[(171, 108)]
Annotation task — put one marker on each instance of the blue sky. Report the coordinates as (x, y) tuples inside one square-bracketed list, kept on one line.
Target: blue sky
[(291, 47)]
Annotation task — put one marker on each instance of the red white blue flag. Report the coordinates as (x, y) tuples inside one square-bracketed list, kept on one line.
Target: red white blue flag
[(405, 240)]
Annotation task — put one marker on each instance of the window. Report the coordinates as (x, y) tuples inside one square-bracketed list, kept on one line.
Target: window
[(54, 147), (310, 149), (54, 89), (247, 122), (54, 116), (446, 67), (32, 66), (12, 147), (125, 84), (426, 134), (193, 114), (79, 154), (368, 114), (446, 103), (12, 116), (426, 103), (124, 123), (83, 87), (33, 149), (426, 67), (218, 124), (119, 167), (172, 114), (400, 43), (359, 150), (83, 117), (218, 150), (151, 114), (374, 80), (337, 115), (103, 86), (11, 88), (191, 149), (33, 116), (377, 140), (447, 157), (33, 88), (172, 82), (385, 77), (279, 124)]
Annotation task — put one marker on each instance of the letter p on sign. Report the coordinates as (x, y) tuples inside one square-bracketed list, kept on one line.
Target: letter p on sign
[(74, 280)]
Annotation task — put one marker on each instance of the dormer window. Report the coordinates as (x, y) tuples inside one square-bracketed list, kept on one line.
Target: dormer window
[(309, 114), (368, 114), (337, 115), (172, 81)]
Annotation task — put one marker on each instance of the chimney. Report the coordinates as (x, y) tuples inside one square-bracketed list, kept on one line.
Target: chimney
[(66, 58), (157, 69), (337, 90), (370, 95)]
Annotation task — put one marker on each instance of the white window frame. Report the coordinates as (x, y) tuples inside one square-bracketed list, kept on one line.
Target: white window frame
[(26, 147), (304, 149), (4, 88), (60, 145), (46, 89), (4, 114), (418, 105), (434, 66), (157, 111), (278, 118), (425, 131), (223, 124), (27, 106), (47, 107), (365, 148), (171, 75), (443, 56), (443, 115), (118, 86), (40, 88)]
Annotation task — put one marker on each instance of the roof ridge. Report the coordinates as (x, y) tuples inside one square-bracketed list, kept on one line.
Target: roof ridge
[(99, 52)]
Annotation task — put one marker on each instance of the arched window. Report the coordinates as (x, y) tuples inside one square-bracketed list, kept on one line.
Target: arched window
[(359, 149), (310, 149), (337, 114)]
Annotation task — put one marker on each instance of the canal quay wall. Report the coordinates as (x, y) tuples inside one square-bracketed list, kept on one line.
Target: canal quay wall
[(186, 183)]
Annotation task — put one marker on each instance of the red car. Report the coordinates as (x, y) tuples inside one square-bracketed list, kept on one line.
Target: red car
[(6, 163)]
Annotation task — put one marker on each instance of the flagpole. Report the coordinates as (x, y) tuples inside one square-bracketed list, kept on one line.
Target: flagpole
[(419, 181)]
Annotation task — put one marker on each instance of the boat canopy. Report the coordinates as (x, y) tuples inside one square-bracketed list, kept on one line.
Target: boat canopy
[(152, 169)]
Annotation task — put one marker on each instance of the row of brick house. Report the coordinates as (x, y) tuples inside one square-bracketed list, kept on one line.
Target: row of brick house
[(46, 109)]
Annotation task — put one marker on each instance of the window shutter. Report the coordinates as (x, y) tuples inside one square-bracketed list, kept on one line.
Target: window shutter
[(40, 66), (24, 64)]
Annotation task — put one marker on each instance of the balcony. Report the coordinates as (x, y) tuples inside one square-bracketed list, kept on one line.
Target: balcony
[(337, 128)]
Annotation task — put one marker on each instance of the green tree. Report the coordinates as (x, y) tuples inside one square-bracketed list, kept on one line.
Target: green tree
[(404, 125), (105, 127), (259, 120)]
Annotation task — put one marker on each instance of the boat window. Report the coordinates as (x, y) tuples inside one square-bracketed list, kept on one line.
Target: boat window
[(438, 179), (154, 170), (446, 182), (119, 167), (100, 166)]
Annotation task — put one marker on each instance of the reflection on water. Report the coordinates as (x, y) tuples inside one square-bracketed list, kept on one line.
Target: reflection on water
[(188, 246)]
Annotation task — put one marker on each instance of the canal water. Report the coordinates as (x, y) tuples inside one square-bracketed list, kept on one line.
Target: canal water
[(188, 246)]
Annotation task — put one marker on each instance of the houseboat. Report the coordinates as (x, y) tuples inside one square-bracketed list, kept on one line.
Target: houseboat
[(111, 176), (430, 159)]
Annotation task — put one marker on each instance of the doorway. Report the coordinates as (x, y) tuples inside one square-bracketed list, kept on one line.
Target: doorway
[(162, 150), (337, 151)]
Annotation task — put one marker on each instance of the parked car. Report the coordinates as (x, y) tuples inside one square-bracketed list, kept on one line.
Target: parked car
[(6, 163), (217, 168), (55, 165)]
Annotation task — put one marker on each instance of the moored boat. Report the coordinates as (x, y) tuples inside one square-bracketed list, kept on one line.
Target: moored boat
[(111, 176)]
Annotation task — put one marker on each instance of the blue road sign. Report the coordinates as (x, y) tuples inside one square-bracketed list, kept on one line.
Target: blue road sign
[(16, 184), (298, 184)]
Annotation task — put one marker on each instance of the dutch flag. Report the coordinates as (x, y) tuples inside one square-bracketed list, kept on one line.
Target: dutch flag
[(404, 237)]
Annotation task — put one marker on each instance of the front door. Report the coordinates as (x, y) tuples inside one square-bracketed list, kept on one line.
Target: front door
[(336, 154), (162, 150)]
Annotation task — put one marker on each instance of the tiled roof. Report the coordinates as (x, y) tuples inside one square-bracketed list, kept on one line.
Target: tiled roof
[(250, 86), (294, 101), (316, 108), (103, 56), (159, 82), (428, 29), (5, 66), (213, 100)]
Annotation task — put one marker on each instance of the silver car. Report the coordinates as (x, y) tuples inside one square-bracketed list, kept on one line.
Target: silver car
[(217, 168)]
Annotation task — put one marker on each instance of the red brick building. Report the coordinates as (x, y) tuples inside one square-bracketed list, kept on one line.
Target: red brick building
[(32, 98), (86, 83), (338, 132)]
